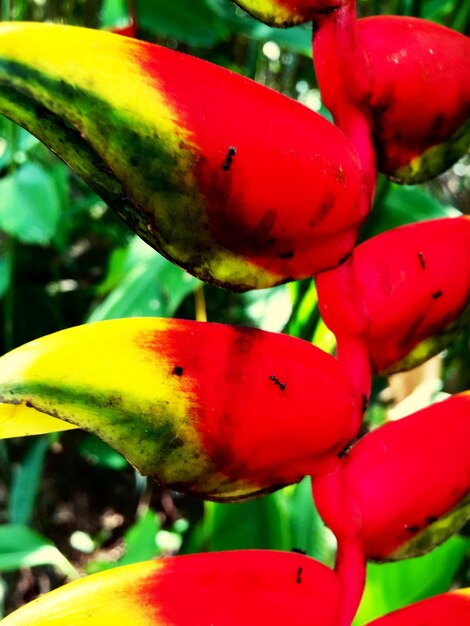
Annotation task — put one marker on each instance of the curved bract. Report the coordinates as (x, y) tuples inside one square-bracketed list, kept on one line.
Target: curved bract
[(249, 587), (405, 292), (285, 13), (410, 480), (451, 608), (400, 83), (241, 186), (419, 97), (222, 412)]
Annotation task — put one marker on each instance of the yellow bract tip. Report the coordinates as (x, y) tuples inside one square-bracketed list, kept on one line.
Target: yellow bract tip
[(18, 420)]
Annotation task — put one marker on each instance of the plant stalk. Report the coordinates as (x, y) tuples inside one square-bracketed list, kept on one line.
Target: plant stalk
[(340, 513), (343, 76)]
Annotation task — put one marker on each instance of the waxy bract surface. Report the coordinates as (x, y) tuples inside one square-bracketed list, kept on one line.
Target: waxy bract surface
[(251, 587), (241, 186), (419, 95), (220, 411), (410, 480), (399, 88), (404, 292), (448, 609)]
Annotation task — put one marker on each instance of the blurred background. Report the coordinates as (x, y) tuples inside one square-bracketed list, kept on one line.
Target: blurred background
[(69, 505)]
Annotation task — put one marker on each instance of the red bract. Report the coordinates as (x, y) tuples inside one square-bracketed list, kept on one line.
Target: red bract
[(401, 291), (342, 71), (388, 71), (236, 183), (409, 480), (252, 587), (448, 609), (225, 413), (239, 588), (419, 97), (247, 189)]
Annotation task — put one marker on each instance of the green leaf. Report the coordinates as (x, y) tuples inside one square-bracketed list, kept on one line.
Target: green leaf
[(261, 523), (22, 547), (305, 315), (308, 532), (26, 481), (396, 205), (98, 453), (140, 539), (297, 39), (114, 12), (394, 585), (29, 204), (5, 274), (146, 284), (139, 544), (268, 309), (200, 26)]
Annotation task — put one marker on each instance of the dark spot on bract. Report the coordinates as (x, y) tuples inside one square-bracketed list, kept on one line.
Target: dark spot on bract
[(299, 576), (261, 236), (436, 295), (177, 443), (326, 205), (365, 403), (41, 112), (437, 124), (344, 258), (277, 382), (344, 452), (231, 152), (114, 401), (178, 370), (349, 446), (286, 255), (422, 262), (411, 529)]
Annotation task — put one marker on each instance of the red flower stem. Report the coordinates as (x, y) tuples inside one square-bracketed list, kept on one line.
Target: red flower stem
[(352, 354), (345, 312), (343, 74), (351, 570), (341, 515)]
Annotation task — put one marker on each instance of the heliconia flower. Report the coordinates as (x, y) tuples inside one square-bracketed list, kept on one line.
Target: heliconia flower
[(249, 587), (219, 411), (391, 69), (405, 292), (241, 186), (410, 480), (286, 13), (417, 134), (452, 608)]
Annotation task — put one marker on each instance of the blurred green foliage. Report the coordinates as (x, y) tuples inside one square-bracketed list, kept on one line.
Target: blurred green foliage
[(65, 258)]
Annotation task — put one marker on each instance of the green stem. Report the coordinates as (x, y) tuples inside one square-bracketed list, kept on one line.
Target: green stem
[(200, 304), (10, 254), (9, 300)]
